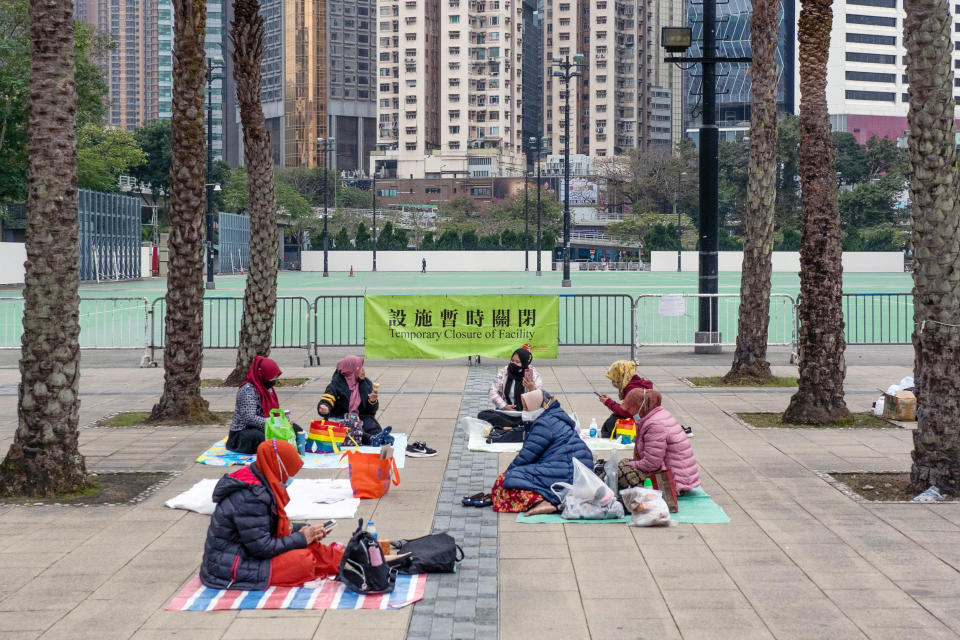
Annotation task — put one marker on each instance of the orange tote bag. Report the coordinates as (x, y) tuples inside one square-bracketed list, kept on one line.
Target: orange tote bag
[(371, 475)]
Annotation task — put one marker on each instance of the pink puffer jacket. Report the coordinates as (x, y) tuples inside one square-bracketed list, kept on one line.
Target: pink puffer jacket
[(662, 444)]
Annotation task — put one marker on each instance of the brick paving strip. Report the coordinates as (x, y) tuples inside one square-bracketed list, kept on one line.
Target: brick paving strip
[(463, 605)]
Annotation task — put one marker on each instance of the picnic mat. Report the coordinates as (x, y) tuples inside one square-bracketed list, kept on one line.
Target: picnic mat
[(218, 456), (310, 499), (696, 507), (477, 442), (321, 594)]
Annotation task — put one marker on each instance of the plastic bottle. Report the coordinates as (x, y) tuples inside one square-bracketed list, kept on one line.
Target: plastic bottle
[(593, 427), (372, 529), (648, 483)]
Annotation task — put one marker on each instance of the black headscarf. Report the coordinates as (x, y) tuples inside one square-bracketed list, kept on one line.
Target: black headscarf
[(513, 387)]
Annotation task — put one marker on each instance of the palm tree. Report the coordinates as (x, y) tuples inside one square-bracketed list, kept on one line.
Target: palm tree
[(936, 245), (750, 358), (819, 398), (44, 458), (183, 353), (260, 296)]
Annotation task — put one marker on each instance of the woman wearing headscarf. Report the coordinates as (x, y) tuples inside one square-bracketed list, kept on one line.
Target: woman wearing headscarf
[(255, 398), (623, 376), (661, 445), (251, 543), (512, 381), (546, 457), (350, 391)]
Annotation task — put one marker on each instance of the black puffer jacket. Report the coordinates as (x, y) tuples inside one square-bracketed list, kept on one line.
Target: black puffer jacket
[(337, 397), (240, 539)]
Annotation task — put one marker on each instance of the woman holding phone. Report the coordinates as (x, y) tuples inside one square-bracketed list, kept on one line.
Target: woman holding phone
[(512, 381)]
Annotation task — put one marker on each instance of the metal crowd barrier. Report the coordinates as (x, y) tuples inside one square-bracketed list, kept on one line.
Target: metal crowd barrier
[(878, 318), (222, 318), (338, 322), (600, 320), (673, 319), (105, 323)]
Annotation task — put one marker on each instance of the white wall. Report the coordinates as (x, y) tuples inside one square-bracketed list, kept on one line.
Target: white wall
[(783, 261), (436, 260), (12, 257), (146, 262)]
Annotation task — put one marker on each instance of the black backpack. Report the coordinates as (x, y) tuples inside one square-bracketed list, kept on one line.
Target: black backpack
[(358, 572), (436, 553)]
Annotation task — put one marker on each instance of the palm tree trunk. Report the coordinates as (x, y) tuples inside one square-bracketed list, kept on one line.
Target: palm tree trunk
[(819, 398), (44, 458), (936, 246), (750, 358), (183, 353), (260, 296)]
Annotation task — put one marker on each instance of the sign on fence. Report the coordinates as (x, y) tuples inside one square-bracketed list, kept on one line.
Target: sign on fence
[(441, 326)]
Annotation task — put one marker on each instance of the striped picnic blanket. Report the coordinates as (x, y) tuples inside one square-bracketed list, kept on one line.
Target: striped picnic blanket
[(327, 594)]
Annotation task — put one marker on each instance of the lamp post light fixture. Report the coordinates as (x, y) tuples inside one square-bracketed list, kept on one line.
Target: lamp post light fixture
[(325, 145), (676, 210), (211, 66), (536, 144), (566, 69), (375, 215), (526, 220)]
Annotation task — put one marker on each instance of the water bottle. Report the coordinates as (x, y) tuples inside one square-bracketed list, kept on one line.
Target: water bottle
[(646, 483), (593, 427), (372, 529)]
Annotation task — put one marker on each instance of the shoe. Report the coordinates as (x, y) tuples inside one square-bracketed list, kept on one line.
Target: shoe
[(471, 501), (485, 501), (420, 450), (381, 438), (688, 431)]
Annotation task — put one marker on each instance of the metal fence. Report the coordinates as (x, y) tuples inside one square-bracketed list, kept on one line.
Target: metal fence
[(105, 323), (878, 318), (109, 236), (338, 322), (234, 234), (674, 319), (597, 320), (222, 318)]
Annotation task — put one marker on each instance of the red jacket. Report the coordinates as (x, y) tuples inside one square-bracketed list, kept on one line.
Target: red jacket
[(662, 444), (632, 397)]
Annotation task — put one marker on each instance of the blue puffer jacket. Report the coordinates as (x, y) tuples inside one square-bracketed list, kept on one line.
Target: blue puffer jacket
[(240, 539), (547, 454)]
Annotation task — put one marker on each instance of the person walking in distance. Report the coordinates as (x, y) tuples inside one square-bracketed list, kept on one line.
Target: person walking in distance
[(423, 266)]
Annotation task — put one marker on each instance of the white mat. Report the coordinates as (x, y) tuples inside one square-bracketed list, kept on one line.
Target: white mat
[(310, 499), (477, 441)]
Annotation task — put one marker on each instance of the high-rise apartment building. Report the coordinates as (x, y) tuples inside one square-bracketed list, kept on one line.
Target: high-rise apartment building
[(532, 70), (450, 88), (130, 68), (213, 45), (318, 81)]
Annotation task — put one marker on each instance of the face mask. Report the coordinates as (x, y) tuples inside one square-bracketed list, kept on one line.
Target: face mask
[(514, 369), (530, 416), (269, 384)]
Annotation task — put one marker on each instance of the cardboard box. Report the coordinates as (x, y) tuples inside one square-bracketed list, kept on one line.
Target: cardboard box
[(900, 406)]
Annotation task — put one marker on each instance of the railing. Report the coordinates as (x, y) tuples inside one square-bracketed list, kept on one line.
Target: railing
[(222, 318), (338, 322), (105, 323), (878, 318), (605, 319), (671, 319)]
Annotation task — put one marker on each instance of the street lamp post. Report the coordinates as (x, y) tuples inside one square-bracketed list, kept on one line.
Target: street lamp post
[(374, 215), (537, 144), (566, 70), (209, 186), (676, 210), (526, 221), (324, 145)]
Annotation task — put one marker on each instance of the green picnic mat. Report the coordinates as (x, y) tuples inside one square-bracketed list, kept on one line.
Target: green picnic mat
[(696, 507)]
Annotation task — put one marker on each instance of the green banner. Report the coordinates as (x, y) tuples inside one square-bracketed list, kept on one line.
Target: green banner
[(458, 326)]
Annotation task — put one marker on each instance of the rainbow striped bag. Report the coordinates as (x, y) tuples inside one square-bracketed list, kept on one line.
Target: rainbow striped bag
[(326, 436), (625, 427)]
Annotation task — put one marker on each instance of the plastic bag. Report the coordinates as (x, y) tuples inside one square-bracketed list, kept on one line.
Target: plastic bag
[(588, 498), (647, 507), (878, 407), (611, 470)]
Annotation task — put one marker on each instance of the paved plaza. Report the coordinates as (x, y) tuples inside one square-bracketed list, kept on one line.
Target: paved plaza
[(799, 559)]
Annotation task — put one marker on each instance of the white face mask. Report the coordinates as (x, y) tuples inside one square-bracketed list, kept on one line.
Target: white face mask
[(638, 415), (530, 416)]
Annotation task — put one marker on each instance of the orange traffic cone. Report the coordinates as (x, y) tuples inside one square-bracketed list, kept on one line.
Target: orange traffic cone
[(351, 271)]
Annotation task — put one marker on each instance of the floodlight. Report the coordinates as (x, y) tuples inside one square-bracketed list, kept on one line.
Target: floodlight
[(676, 39)]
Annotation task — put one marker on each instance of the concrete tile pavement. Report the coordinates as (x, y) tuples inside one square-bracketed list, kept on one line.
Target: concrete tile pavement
[(798, 560)]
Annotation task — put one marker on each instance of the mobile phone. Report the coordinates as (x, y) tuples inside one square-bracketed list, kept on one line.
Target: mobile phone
[(528, 374), (328, 525), (597, 394)]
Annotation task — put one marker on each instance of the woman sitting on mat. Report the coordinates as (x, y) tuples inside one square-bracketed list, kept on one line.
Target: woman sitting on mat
[(350, 391), (255, 398), (546, 457), (623, 376), (511, 382), (661, 445), (251, 543)]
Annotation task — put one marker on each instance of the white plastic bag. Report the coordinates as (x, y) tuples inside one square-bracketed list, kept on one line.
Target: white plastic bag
[(878, 407), (588, 498), (647, 507)]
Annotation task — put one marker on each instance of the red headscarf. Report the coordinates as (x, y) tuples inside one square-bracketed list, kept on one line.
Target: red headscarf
[(349, 367), (278, 460), (261, 370)]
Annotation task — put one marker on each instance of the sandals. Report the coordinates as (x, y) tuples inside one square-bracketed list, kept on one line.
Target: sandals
[(478, 500)]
